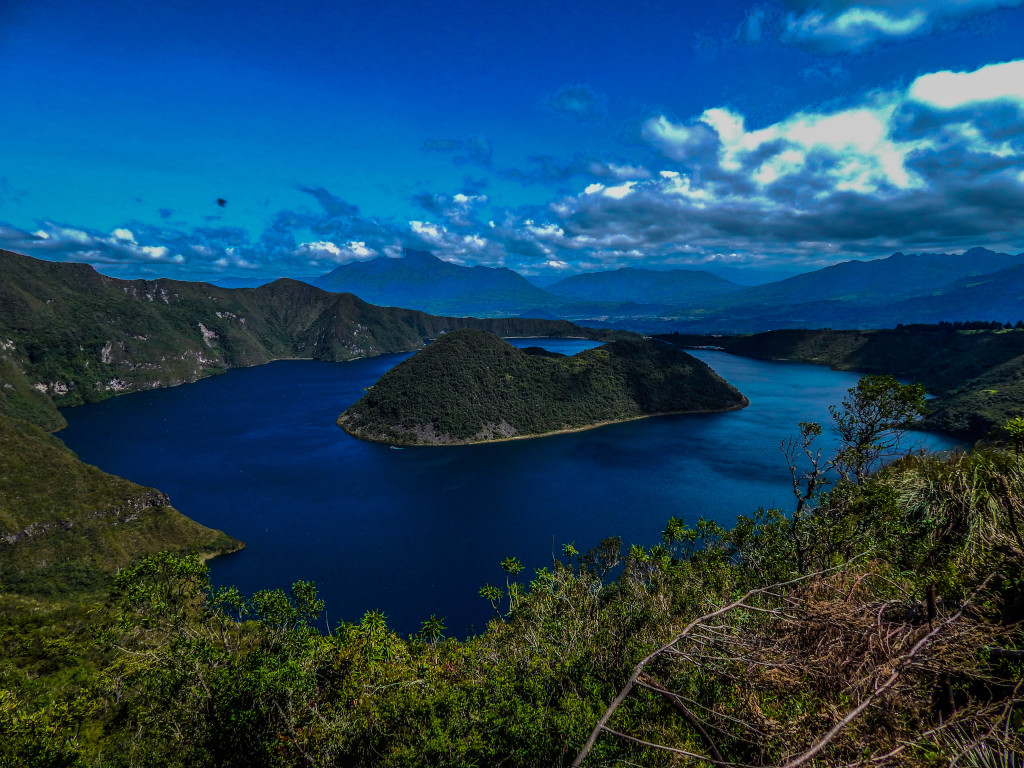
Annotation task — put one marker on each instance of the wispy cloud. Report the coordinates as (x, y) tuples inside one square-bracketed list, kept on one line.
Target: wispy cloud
[(578, 101), (545, 169), (473, 151), (854, 28), (842, 26)]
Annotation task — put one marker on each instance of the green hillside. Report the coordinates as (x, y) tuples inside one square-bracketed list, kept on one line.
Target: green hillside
[(65, 525), (470, 386), (79, 336), (977, 375)]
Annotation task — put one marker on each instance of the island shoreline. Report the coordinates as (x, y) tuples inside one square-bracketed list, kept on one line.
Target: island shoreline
[(567, 431)]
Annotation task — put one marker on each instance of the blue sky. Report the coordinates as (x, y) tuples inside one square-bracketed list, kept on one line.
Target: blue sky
[(550, 138)]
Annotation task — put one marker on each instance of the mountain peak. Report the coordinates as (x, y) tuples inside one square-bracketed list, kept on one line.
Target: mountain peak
[(979, 251), (420, 280), (411, 254)]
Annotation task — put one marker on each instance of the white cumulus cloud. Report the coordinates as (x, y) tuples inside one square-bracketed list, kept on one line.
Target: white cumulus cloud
[(327, 251), (952, 90)]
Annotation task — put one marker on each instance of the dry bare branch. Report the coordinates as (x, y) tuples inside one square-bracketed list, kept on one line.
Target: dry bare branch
[(639, 668)]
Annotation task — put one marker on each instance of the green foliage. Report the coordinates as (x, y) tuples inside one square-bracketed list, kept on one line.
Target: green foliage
[(469, 386), (511, 566), (42, 739), (871, 421), (433, 629), (1014, 431)]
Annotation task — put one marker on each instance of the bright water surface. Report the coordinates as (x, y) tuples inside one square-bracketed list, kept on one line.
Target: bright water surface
[(256, 453)]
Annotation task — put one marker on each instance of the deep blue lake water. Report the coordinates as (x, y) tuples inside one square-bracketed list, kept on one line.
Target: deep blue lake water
[(413, 532)]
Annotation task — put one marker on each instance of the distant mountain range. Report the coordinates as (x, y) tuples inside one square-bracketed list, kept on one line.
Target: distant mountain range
[(643, 286), (896, 278), (903, 288), (420, 280)]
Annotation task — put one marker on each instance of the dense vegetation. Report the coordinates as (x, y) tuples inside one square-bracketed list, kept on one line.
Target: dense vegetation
[(977, 374), (882, 625), (470, 386)]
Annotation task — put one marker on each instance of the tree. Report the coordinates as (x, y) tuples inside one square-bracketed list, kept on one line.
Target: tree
[(807, 483), (433, 629), (871, 423), (1014, 431)]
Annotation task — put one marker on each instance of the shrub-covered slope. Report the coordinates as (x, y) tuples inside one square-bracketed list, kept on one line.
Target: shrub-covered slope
[(470, 386), (65, 525), (978, 375), (883, 627)]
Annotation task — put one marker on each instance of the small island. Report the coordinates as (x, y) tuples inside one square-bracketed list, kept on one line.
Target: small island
[(470, 386)]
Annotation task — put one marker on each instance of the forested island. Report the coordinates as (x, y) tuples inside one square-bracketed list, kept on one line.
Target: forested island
[(471, 387)]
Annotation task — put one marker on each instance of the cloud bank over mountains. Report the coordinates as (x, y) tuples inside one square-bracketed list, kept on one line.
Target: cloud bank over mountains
[(935, 164)]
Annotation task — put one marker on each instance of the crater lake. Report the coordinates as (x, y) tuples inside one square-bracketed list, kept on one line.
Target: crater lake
[(417, 531)]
